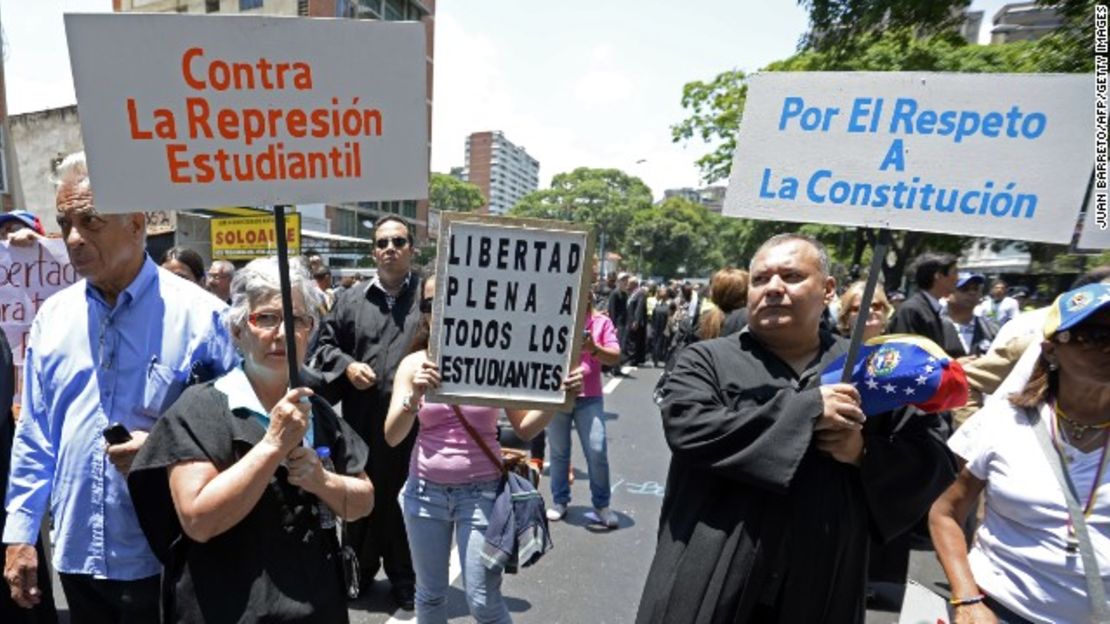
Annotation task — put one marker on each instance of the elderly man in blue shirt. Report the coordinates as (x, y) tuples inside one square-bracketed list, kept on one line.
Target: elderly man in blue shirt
[(116, 347)]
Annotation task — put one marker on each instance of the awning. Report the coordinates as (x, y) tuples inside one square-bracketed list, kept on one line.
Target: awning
[(337, 238)]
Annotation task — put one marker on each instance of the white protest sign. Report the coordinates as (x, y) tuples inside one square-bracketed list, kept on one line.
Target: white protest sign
[(998, 155), (1096, 222), (509, 310), (188, 111), (28, 276)]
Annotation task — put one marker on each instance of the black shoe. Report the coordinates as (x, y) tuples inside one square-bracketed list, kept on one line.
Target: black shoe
[(404, 596)]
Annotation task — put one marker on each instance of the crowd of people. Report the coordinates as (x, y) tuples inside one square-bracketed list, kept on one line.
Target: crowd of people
[(186, 477)]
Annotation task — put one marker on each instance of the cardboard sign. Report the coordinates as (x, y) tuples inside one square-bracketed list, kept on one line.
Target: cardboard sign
[(999, 155), (922, 606), (509, 311), (246, 238), (249, 110), (28, 276)]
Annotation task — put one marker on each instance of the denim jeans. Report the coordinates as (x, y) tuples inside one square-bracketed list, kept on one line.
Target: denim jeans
[(589, 420), (432, 512)]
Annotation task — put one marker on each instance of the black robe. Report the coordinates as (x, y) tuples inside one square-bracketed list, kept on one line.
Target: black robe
[(755, 521)]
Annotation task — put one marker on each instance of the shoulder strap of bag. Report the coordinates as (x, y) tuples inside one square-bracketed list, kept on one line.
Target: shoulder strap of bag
[(1095, 590), (478, 440)]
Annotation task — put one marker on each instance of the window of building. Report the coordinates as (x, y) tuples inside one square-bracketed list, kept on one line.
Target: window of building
[(408, 209), (211, 6), (247, 5), (394, 10), (346, 222)]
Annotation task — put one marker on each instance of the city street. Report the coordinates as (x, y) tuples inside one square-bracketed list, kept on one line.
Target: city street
[(594, 575)]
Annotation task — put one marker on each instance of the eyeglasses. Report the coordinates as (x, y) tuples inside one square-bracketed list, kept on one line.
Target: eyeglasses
[(85, 219), (399, 242), (1088, 338), (876, 306), (270, 321), (426, 305), (218, 276)]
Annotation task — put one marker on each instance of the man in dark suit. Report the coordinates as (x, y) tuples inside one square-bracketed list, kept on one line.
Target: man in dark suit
[(618, 311), (636, 343), (935, 275), (972, 333)]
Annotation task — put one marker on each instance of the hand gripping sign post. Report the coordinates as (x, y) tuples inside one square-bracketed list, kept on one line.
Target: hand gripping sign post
[(998, 155), (187, 111), (509, 309)]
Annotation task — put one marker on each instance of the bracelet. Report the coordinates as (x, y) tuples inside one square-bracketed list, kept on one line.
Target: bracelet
[(960, 602)]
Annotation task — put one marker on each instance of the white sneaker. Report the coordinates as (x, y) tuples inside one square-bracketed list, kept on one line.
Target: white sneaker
[(607, 518), (556, 512)]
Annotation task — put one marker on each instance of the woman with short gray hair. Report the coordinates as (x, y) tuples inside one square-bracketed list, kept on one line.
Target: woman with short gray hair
[(256, 474)]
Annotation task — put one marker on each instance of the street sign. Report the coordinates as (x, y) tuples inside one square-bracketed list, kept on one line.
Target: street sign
[(188, 111), (998, 155), (246, 238), (510, 308)]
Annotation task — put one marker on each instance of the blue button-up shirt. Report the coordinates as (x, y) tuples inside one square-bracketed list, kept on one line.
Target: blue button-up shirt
[(90, 365)]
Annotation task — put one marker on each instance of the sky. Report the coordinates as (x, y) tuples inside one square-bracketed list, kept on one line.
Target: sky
[(575, 82)]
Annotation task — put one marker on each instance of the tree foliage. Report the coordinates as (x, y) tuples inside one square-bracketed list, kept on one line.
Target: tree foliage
[(836, 26), (676, 237), (605, 198), (449, 193)]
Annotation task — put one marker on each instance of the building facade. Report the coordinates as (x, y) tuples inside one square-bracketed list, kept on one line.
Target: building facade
[(504, 172), (352, 219), (1024, 21), (712, 197)]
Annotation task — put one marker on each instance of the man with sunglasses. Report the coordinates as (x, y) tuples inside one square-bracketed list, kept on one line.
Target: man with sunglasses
[(108, 355), (971, 332), (362, 340)]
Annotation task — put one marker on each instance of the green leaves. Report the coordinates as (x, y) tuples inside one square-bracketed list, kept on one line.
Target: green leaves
[(448, 193)]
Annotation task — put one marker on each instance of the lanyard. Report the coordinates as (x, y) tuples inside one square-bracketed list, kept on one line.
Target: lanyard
[(1054, 429)]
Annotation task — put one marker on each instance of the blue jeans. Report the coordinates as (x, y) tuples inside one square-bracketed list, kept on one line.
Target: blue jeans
[(432, 511), (589, 420)]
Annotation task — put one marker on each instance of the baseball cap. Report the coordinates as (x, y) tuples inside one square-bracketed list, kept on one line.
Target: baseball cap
[(965, 278), (26, 218), (1075, 306)]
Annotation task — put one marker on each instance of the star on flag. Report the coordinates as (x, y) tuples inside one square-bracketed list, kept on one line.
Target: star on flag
[(909, 390), (922, 380), (872, 384), (889, 388)]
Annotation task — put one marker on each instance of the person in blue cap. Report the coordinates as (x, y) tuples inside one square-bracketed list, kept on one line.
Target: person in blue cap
[(20, 228), (967, 333), (1028, 561)]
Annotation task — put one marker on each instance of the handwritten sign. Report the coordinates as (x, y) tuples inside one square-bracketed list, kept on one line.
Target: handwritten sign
[(246, 238), (509, 309), (28, 276), (249, 110), (1000, 155)]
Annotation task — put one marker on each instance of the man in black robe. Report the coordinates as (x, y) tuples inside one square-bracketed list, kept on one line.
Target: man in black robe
[(775, 481), (362, 340)]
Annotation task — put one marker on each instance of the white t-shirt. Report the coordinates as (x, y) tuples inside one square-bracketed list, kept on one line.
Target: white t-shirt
[(1019, 556), (1000, 312)]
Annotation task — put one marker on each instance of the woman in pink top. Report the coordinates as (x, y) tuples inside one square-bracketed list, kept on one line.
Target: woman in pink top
[(452, 484), (601, 347)]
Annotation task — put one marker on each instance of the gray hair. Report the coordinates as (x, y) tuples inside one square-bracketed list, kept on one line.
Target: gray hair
[(779, 239), (223, 266), (72, 170), (259, 281)]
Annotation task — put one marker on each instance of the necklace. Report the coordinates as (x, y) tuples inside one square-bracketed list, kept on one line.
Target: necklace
[(1080, 429), (1072, 541)]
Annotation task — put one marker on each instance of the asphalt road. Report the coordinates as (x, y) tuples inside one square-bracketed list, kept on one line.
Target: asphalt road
[(594, 575)]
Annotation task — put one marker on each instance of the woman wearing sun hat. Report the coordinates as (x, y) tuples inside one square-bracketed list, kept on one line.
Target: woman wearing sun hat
[(1030, 453)]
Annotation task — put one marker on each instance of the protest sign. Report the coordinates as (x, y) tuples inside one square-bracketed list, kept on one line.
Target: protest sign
[(999, 155), (28, 276), (246, 238), (249, 110), (509, 309)]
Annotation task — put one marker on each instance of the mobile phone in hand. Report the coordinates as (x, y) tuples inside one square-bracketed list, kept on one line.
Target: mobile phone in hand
[(117, 434)]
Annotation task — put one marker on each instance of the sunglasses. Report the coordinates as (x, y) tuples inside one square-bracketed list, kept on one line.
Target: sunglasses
[(399, 242), (270, 321), (426, 305), (1088, 338)]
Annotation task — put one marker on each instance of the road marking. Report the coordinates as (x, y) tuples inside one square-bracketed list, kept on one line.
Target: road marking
[(454, 571), (612, 385)]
